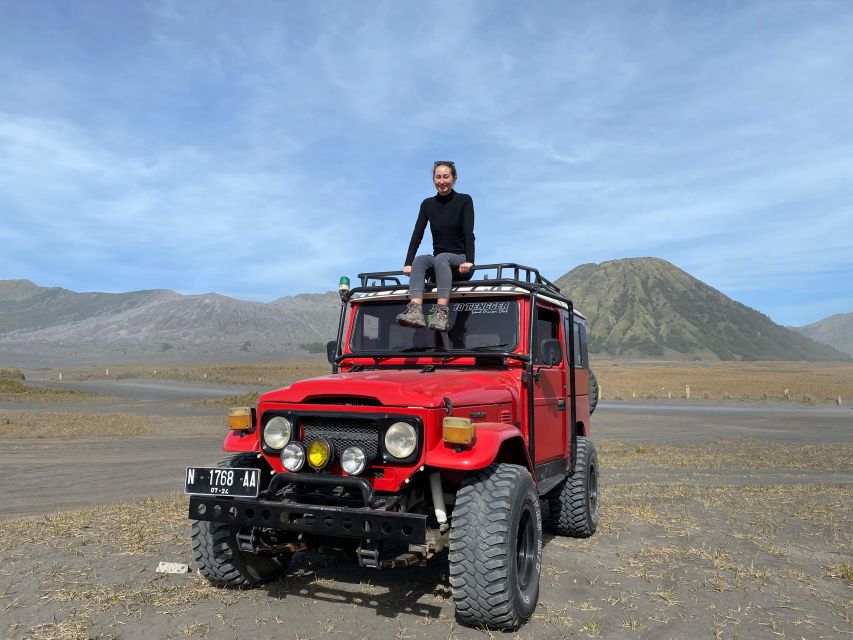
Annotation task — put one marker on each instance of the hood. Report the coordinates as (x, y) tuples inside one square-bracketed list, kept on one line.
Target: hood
[(407, 388)]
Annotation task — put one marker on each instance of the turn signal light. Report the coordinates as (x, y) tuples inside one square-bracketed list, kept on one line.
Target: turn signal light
[(240, 418), (459, 431)]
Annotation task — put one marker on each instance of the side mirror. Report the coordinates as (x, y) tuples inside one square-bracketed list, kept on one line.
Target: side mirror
[(550, 352), (331, 351)]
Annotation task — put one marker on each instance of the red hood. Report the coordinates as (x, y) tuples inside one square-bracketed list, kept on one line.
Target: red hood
[(407, 388)]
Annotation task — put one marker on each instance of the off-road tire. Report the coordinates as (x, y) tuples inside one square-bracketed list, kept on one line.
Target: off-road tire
[(574, 503), (594, 392), (496, 548), (220, 559)]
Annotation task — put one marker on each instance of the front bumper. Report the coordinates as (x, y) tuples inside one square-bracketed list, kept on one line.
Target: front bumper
[(348, 522)]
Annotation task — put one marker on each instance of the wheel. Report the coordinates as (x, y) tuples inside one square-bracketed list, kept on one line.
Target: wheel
[(574, 503), (496, 548), (219, 557), (594, 392)]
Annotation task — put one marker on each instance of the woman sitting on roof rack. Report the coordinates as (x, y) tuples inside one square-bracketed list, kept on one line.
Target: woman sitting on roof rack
[(451, 222)]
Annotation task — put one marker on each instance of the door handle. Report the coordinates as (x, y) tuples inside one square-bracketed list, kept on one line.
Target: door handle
[(561, 405)]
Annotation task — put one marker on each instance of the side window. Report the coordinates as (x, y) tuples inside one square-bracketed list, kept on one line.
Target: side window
[(581, 359), (547, 326), (578, 352)]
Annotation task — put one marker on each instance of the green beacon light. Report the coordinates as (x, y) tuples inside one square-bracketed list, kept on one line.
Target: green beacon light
[(343, 287)]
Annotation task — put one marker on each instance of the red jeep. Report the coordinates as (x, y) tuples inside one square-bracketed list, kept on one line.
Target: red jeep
[(419, 441)]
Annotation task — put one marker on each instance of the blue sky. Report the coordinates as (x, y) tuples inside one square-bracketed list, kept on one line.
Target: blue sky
[(262, 149)]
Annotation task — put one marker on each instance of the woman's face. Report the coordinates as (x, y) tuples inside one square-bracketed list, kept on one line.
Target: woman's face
[(443, 179)]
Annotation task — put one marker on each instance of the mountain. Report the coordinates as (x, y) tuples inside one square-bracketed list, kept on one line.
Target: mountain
[(647, 307), (642, 307), (161, 320), (836, 331)]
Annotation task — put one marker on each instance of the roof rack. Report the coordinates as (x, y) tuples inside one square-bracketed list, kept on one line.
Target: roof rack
[(507, 272)]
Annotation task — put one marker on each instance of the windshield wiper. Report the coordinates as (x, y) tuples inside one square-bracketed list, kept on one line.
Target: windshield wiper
[(484, 347), (412, 349)]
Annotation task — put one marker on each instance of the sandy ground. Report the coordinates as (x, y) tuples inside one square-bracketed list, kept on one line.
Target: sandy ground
[(754, 543)]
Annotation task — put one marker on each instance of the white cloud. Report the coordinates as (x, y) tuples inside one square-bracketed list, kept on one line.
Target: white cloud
[(272, 149)]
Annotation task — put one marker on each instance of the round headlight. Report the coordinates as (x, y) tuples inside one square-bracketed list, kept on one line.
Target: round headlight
[(401, 439), (353, 460), (277, 432), (293, 456), (319, 453)]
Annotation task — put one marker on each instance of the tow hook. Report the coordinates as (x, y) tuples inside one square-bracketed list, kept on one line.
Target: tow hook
[(368, 554)]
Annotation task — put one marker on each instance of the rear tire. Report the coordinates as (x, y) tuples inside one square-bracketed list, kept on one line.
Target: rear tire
[(218, 555), (574, 503), (496, 548)]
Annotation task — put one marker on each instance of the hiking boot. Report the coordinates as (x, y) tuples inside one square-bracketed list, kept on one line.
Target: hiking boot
[(413, 316), (440, 318)]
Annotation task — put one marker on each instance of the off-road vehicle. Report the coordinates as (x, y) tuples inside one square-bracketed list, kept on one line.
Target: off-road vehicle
[(419, 441)]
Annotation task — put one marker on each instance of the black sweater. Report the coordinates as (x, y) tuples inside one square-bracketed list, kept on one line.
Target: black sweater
[(451, 221)]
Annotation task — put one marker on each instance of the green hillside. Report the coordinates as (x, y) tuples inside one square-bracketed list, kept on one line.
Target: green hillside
[(647, 307)]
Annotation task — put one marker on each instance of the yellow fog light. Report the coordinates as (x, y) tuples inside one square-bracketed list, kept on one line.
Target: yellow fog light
[(240, 418), (459, 431), (319, 453)]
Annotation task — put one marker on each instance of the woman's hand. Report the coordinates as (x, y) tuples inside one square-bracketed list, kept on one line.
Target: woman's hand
[(407, 270), (465, 267)]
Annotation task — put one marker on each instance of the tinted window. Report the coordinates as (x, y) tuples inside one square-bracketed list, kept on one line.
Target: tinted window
[(482, 324), (580, 345)]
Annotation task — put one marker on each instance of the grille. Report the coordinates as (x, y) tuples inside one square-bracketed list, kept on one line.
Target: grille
[(343, 433)]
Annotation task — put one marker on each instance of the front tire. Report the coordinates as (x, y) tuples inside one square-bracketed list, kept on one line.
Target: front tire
[(218, 555), (496, 548), (574, 503)]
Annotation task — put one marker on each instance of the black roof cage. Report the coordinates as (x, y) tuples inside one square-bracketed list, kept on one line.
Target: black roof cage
[(503, 273)]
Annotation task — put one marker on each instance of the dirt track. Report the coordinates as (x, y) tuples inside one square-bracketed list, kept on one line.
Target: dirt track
[(745, 550)]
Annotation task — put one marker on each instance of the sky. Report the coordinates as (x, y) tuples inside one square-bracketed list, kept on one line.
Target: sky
[(264, 149)]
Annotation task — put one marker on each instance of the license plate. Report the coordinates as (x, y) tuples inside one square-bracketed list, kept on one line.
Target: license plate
[(223, 481)]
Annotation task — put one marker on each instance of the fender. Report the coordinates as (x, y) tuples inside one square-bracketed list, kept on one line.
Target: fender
[(491, 439), (236, 442)]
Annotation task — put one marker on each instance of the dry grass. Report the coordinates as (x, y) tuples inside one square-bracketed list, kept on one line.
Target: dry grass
[(249, 398), (726, 453), (842, 571), (136, 528), (265, 375), (45, 424), (17, 391), (810, 383)]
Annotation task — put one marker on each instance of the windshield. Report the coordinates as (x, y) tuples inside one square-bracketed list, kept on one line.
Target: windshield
[(484, 324)]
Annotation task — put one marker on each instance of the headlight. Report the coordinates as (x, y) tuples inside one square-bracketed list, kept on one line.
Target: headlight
[(293, 456), (401, 440), (353, 460), (319, 453), (277, 432)]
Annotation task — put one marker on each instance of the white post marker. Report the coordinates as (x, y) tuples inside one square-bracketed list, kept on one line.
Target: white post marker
[(173, 567)]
